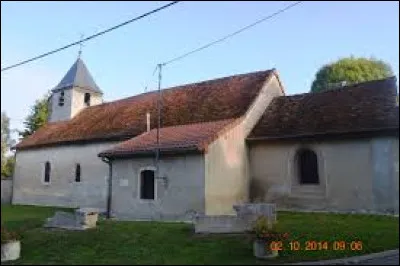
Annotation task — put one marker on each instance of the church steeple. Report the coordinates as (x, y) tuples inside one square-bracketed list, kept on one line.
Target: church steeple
[(78, 76), (76, 90)]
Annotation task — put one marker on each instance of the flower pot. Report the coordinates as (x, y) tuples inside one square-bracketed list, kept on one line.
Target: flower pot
[(10, 250), (262, 249)]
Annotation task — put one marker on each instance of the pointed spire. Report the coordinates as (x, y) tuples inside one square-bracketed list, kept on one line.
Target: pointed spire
[(78, 76)]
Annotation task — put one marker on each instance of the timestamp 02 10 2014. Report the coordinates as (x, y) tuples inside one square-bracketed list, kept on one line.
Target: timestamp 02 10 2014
[(313, 245)]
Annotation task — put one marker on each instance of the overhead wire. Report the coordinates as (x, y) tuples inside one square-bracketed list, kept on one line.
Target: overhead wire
[(89, 37), (231, 34)]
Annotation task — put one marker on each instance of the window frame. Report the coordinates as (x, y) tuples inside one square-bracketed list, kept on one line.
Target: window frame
[(139, 183), (87, 101), (61, 100), (44, 173), (299, 154), (80, 173)]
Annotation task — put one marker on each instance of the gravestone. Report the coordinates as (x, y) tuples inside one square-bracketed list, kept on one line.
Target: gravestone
[(82, 219)]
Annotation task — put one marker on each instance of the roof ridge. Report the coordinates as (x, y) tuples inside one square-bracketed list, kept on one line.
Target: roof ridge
[(198, 123), (184, 86), (209, 102), (359, 84)]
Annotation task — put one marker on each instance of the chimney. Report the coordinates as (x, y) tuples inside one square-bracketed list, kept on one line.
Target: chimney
[(148, 121)]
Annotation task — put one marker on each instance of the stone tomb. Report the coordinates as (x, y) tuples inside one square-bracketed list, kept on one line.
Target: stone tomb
[(81, 219)]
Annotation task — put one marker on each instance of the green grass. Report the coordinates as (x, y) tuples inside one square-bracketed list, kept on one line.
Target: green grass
[(175, 243)]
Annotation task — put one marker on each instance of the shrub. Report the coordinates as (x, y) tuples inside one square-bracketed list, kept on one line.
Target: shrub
[(266, 230), (7, 236)]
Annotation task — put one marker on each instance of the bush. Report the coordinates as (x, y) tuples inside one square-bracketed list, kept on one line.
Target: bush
[(7, 236)]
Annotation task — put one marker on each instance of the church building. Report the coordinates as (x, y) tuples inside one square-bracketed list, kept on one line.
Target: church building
[(222, 142)]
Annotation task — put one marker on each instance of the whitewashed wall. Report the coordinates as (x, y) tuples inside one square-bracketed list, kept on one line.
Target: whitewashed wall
[(226, 162), (29, 186)]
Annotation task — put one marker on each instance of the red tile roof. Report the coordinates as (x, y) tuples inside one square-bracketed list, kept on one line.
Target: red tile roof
[(206, 101), (364, 107), (191, 137)]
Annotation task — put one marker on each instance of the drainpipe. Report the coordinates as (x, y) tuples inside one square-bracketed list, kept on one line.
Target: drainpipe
[(109, 193), (13, 177)]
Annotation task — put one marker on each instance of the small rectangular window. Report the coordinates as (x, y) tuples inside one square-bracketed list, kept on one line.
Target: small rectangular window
[(87, 99), (147, 184), (47, 169), (61, 99), (78, 173)]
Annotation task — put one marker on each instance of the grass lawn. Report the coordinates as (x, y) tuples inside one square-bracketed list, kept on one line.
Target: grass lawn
[(175, 243)]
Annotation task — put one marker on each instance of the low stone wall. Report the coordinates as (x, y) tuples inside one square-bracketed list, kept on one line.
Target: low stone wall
[(243, 221), (6, 190)]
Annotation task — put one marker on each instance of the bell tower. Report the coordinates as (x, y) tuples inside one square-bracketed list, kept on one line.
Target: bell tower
[(76, 91)]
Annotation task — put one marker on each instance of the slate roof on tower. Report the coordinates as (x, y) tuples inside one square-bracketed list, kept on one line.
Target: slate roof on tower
[(207, 101), (78, 76)]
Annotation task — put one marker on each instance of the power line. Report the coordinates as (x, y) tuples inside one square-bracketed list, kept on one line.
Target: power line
[(232, 34), (159, 68), (90, 37)]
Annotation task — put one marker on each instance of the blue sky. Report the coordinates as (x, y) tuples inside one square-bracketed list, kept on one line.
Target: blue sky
[(296, 43)]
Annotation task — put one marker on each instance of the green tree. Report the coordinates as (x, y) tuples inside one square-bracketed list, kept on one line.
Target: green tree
[(37, 117), (350, 70), (8, 169), (7, 165), (5, 137)]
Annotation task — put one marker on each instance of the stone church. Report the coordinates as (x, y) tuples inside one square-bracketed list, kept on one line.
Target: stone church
[(222, 142)]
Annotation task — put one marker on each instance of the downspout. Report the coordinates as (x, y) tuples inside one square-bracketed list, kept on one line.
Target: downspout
[(13, 177), (109, 192), (13, 148)]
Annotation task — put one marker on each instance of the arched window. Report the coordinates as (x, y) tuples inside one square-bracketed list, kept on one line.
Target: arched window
[(147, 184), (307, 162), (47, 169), (78, 173), (87, 99)]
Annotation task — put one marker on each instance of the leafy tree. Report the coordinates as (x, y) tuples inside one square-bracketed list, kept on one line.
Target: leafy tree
[(37, 117), (350, 70), (6, 143), (8, 169)]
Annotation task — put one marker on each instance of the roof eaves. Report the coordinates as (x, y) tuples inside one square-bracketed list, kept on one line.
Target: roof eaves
[(75, 142), (148, 152), (319, 134)]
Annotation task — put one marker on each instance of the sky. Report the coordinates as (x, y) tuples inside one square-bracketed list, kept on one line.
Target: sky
[(297, 43)]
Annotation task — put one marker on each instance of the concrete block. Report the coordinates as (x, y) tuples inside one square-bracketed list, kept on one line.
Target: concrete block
[(240, 223), (87, 217), (80, 220), (220, 224), (251, 211)]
